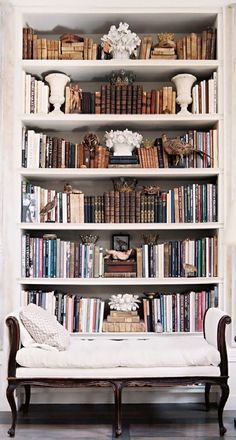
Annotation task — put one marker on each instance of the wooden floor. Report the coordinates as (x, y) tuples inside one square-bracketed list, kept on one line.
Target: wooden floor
[(140, 422)]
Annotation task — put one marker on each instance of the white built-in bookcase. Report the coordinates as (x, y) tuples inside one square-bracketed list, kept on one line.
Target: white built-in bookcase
[(95, 23)]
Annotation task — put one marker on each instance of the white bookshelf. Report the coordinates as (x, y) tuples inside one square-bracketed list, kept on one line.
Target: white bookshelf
[(173, 281), (86, 70), (98, 173), (96, 22), (138, 122), (119, 226)]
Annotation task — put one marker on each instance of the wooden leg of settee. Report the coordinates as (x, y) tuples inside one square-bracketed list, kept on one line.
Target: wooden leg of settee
[(207, 395), (223, 399), (117, 387), (25, 405), (11, 400)]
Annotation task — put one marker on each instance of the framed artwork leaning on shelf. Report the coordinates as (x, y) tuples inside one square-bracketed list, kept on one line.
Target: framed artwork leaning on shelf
[(120, 242)]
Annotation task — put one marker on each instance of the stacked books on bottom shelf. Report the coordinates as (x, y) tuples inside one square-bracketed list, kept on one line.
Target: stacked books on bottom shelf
[(176, 312), (52, 257)]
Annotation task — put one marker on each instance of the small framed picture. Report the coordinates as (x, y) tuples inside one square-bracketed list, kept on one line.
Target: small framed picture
[(120, 242)]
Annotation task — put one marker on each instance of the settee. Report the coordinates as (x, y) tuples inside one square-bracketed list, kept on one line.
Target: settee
[(163, 360)]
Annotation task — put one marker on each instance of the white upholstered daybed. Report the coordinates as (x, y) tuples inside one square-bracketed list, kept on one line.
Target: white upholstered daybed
[(163, 360)]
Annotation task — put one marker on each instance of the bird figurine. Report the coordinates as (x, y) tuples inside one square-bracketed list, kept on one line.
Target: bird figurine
[(48, 207), (178, 148), (118, 255)]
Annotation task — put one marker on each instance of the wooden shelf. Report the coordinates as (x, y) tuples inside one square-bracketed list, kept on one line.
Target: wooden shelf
[(119, 281), (106, 173), (68, 122), (145, 70), (118, 226)]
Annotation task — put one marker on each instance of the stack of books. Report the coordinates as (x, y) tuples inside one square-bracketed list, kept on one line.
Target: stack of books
[(123, 322), (123, 161), (121, 269), (163, 53)]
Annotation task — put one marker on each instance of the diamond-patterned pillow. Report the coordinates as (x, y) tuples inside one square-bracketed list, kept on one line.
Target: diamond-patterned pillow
[(44, 328)]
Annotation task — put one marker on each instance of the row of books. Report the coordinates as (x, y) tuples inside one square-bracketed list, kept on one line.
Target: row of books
[(117, 99), (120, 99), (42, 151), (192, 203), (204, 96), (55, 258), (76, 313), (36, 95), (206, 141), (178, 312), (197, 47), (178, 258), (193, 46)]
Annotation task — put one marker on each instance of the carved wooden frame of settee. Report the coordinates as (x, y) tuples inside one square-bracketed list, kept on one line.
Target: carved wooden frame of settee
[(116, 384)]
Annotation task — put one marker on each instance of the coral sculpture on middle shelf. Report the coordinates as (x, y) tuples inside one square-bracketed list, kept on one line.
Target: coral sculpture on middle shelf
[(122, 141), (124, 303)]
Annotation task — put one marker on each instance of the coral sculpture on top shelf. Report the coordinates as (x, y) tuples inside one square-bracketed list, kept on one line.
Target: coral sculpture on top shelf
[(121, 42), (123, 142), (124, 303)]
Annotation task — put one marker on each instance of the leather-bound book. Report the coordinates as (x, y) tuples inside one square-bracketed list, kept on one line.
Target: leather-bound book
[(118, 99), (54, 152), (103, 98), (113, 99), (59, 153), (117, 206), (144, 103), (112, 206), (132, 207), (108, 99), (122, 207), (129, 99), (124, 99), (107, 206), (127, 206), (138, 206), (148, 106), (139, 99), (134, 99), (153, 101)]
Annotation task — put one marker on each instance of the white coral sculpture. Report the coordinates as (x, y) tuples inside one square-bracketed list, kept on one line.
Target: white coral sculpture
[(121, 39), (124, 303), (126, 136)]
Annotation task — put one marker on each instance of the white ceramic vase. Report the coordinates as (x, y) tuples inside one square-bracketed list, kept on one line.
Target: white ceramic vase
[(121, 149), (57, 83), (120, 54), (184, 83)]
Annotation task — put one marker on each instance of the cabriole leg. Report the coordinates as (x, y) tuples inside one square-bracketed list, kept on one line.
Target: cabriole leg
[(25, 406), (223, 399), (12, 403), (207, 395), (118, 391)]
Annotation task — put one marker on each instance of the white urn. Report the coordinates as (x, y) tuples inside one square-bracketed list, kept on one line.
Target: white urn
[(184, 83), (120, 54), (57, 83), (122, 149)]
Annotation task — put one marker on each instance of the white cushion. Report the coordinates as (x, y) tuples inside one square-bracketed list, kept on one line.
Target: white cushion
[(116, 373), (169, 351), (43, 327)]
